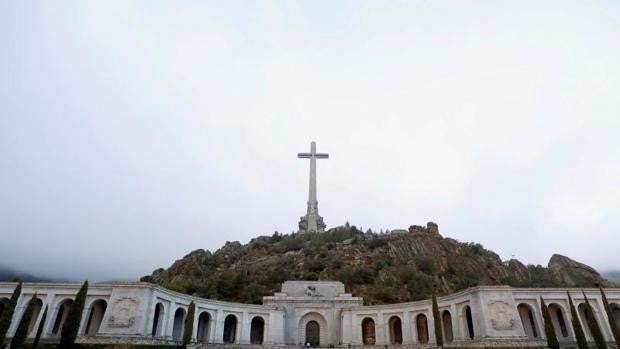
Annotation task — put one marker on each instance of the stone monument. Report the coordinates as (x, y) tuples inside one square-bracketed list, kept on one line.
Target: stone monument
[(312, 222)]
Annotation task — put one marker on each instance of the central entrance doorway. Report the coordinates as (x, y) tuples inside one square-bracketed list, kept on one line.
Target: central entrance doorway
[(313, 333)]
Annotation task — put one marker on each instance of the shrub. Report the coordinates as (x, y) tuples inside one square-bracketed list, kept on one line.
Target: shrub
[(420, 286), (595, 329), (552, 339), (426, 264), (612, 320), (35, 343), (7, 314), (582, 343), (17, 342), (437, 322), (72, 323), (189, 323)]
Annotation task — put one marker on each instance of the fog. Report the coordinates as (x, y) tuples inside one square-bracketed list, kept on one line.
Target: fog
[(132, 133)]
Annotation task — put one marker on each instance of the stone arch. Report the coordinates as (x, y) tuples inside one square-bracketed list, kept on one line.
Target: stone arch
[(178, 324), (158, 319), (615, 312), (396, 330), (62, 311), (586, 314), (559, 320), (38, 305), (204, 324), (369, 336), (527, 320), (257, 330), (230, 329), (421, 325), (469, 322), (95, 317), (319, 320), (446, 322)]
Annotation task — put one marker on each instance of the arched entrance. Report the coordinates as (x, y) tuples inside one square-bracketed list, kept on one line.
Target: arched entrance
[(446, 321), (469, 322), (257, 330), (178, 324), (585, 314), (368, 331), (158, 318), (95, 317), (421, 325), (61, 315), (230, 329), (318, 328), (38, 305), (559, 320), (3, 303), (313, 333), (396, 330), (527, 320), (204, 320), (615, 312)]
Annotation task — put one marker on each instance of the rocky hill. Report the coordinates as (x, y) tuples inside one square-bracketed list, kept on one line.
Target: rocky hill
[(381, 267)]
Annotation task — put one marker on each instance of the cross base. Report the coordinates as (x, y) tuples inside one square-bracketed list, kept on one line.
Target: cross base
[(311, 223)]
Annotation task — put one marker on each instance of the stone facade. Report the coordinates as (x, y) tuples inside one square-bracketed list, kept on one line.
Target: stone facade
[(319, 312)]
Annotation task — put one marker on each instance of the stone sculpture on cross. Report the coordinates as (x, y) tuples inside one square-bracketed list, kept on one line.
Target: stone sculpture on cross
[(312, 221)]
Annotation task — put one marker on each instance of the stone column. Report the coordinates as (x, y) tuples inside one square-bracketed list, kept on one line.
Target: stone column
[(454, 318), (22, 301), (85, 315), (219, 327), (601, 317), (195, 324), (38, 320), (244, 328), (430, 327), (382, 336), (51, 315), (170, 320), (407, 329)]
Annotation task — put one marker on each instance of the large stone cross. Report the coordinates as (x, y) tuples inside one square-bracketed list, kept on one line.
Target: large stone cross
[(312, 221)]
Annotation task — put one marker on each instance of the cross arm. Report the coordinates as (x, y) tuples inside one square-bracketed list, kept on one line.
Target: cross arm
[(304, 155), (321, 156)]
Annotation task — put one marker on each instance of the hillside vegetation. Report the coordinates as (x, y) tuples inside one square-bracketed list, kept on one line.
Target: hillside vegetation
[(388, 267)]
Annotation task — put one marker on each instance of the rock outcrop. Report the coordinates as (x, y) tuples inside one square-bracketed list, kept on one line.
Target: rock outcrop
[(572, 273), (400, 266)]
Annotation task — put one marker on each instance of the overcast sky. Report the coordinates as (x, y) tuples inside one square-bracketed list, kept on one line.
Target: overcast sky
[(132, 132)]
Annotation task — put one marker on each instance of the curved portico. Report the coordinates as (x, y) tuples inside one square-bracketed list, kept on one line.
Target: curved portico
[(315, 312)]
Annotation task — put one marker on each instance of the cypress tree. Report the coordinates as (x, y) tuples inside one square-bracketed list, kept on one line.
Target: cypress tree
[(610, 318), (582, 343), (7, 314), (72, 323), (35, 344), (595, 329), (17, 342), (552, 339), (189, 324), (437, 322)]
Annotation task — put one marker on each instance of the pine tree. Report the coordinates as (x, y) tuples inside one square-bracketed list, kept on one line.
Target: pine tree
[(7, 314), (595, 329), (17, 342), (189, 324), (611, 319), (72, 323), (35, 344), (437, 322), (582, 343), (552, 339)]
